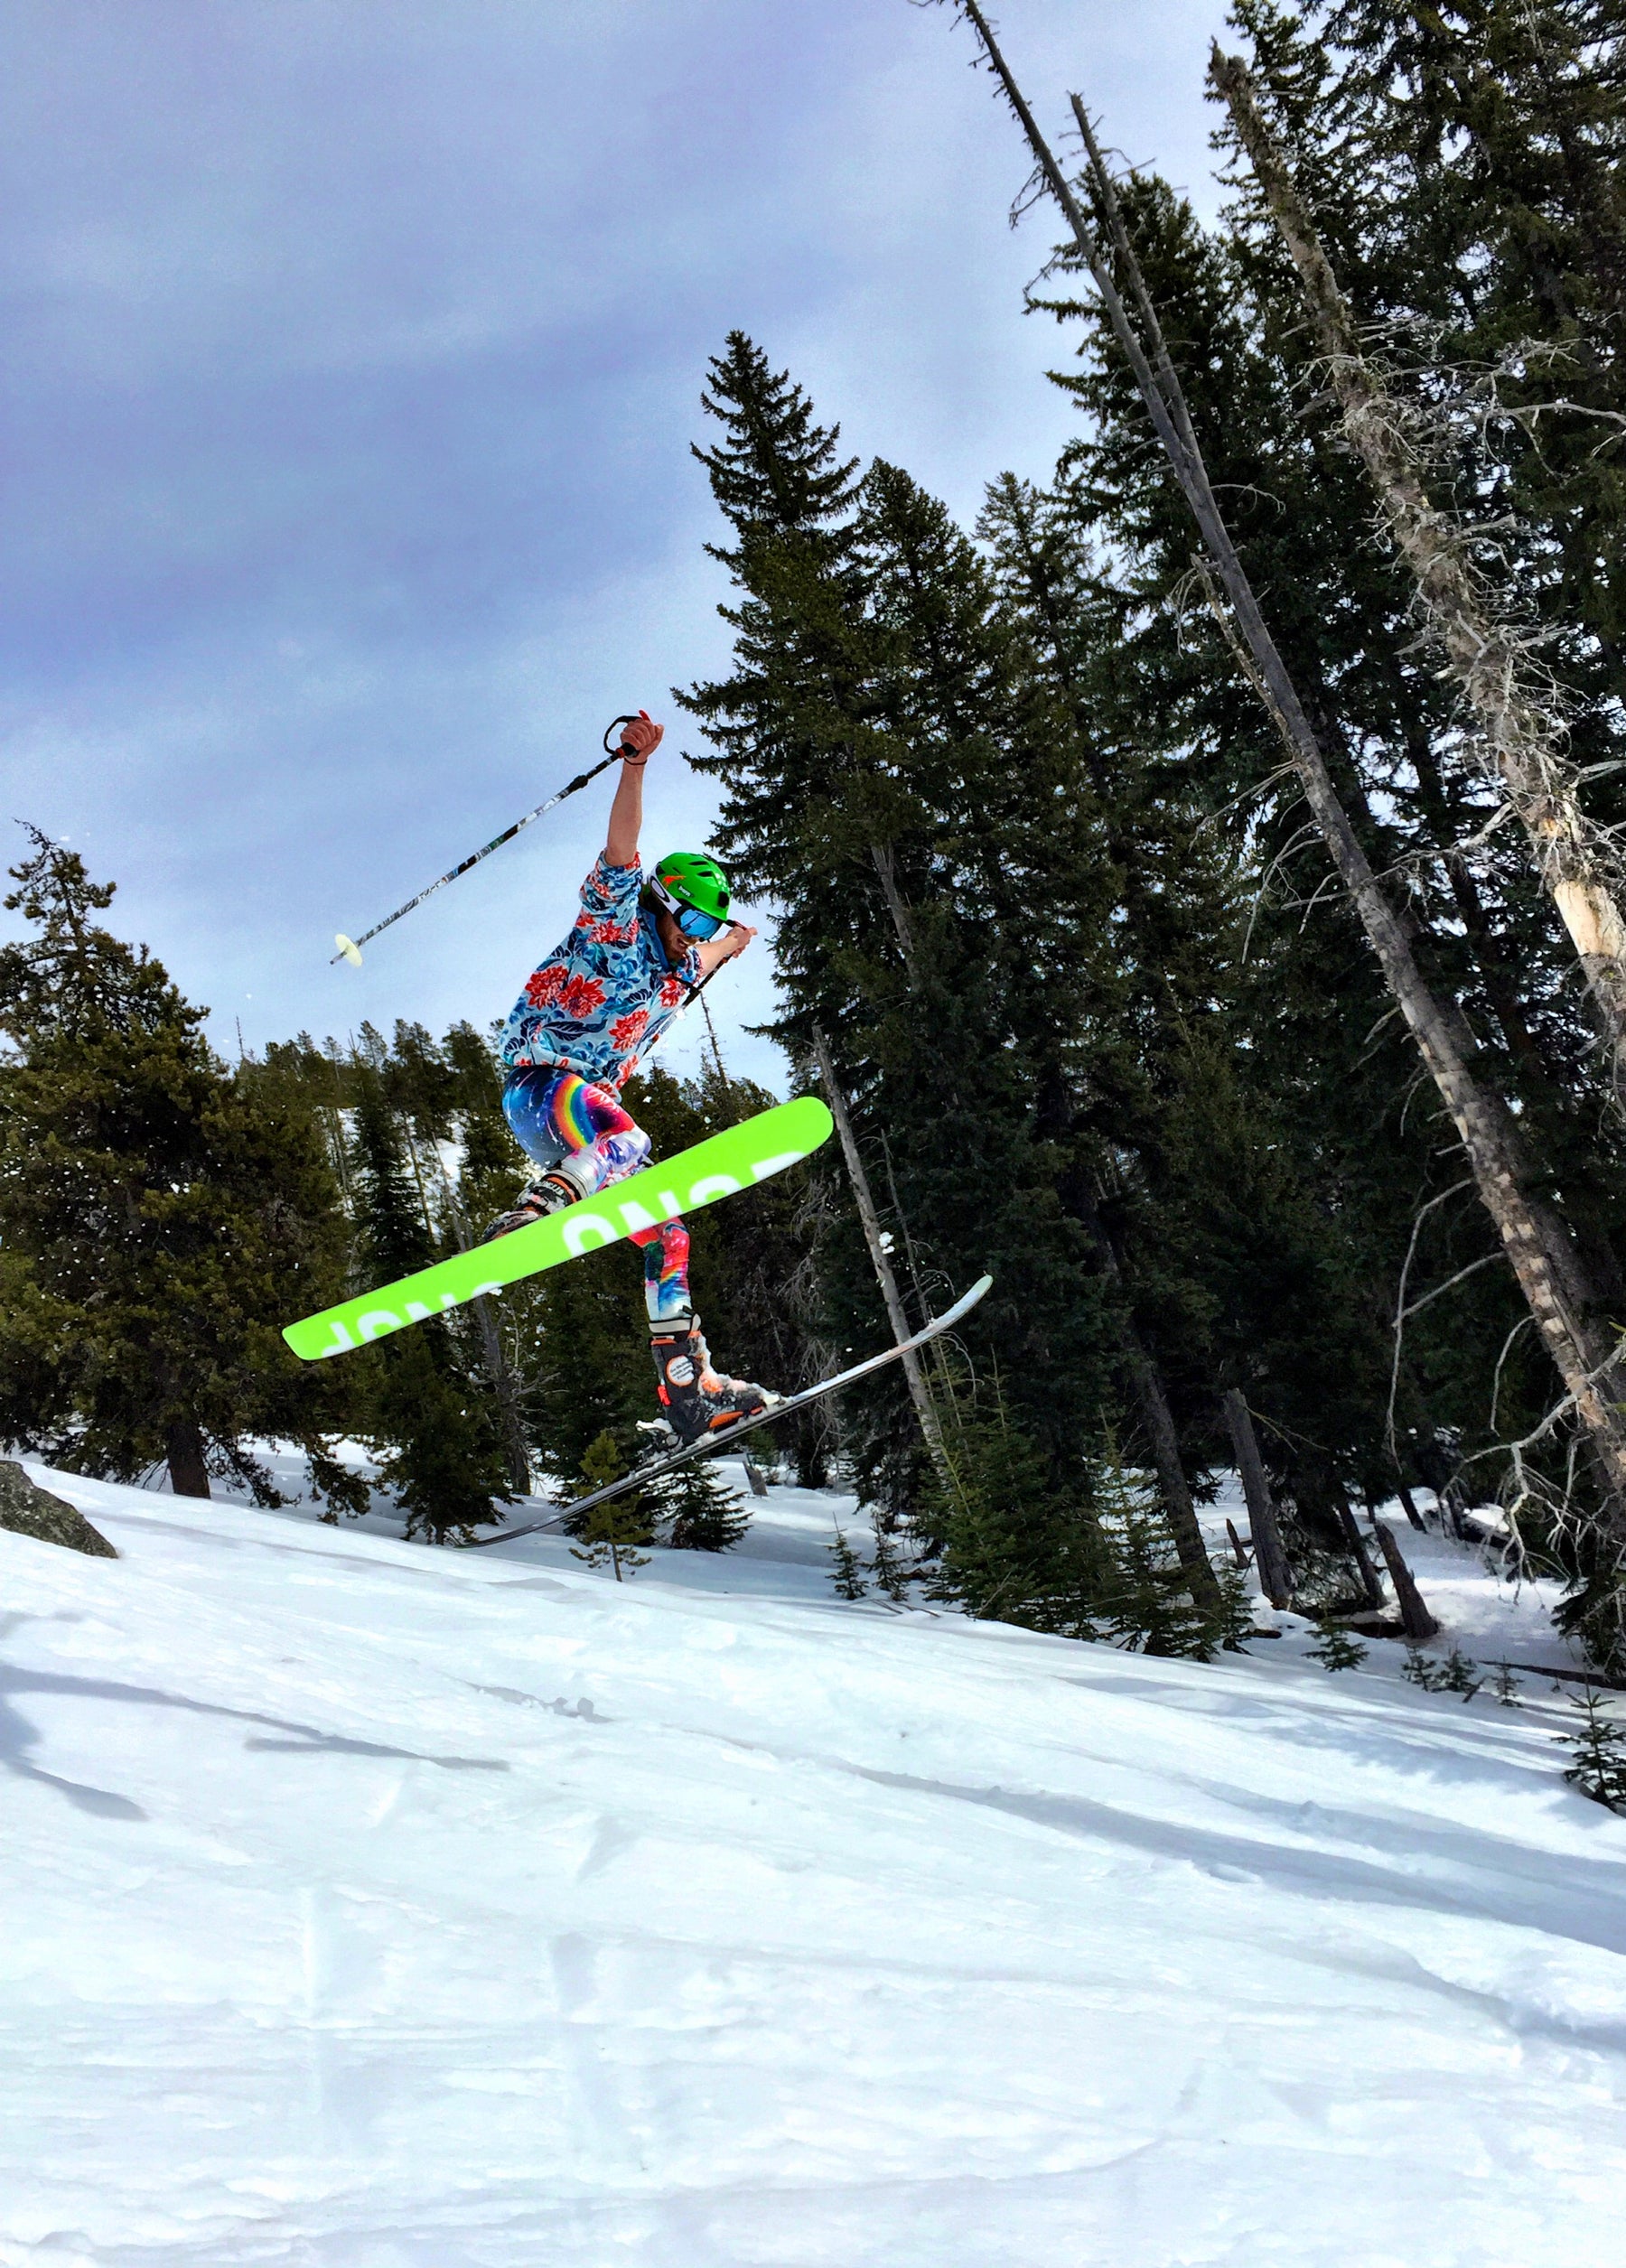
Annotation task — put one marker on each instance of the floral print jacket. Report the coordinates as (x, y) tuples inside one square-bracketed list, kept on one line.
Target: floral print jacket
[(602, 997)]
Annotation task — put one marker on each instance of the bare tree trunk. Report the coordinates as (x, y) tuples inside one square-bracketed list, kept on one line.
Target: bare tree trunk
[(1567, 1310), (936, 1357), (183, 1450), (881, 1259), (516, 1452), (1371, 1589), (1522, 724), (1275, 1576), (498, 1370), (1409, 1507), (887, 872), (1188, 1545), (1416, 1619), (1153, 1403)]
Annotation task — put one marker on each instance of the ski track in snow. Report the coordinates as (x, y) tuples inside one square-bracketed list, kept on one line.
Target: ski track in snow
[(363, 1906)]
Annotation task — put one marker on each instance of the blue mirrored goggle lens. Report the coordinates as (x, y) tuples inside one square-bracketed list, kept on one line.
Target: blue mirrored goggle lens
[(697, 925)]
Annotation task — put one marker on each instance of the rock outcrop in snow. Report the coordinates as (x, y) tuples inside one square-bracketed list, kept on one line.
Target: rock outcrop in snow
[(27, 1510)]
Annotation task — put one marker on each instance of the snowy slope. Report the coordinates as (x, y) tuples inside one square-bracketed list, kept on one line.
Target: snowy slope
[(364, 1904)]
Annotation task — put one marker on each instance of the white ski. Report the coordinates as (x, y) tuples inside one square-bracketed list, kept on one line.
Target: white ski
[(711, 1443)]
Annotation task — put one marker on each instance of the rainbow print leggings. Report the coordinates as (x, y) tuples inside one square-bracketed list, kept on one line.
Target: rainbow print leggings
[(557, 1117)]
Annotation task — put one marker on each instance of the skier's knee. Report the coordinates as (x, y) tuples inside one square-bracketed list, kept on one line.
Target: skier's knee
[(580, 1171), (625, 1151)]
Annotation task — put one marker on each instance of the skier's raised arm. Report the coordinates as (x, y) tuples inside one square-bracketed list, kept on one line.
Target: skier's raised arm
[(636, 953), (639, 742)]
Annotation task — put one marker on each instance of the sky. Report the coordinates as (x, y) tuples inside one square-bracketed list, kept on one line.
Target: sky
[(354, 353)]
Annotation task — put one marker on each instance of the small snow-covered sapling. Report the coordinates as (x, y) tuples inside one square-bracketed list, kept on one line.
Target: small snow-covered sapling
[(1454, 1675), (1597, 1743), (847, 1574), (1335, 1649), (890, 1574), (1231, 1623), (1457, 1676), (611, 1531)]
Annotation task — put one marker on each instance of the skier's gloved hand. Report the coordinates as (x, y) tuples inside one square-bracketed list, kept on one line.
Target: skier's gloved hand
[(724, 947), (641, 739)]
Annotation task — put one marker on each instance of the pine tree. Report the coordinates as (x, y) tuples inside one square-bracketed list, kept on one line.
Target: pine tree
[(453, 1165), (1014, 1546), (1462, 167), (1334, 1649), (1232, 1625), (614, 1530), (1489, 136), (697, 1510), (159, 1217), (1597, 1744), (878, 781), (887, 1569), (1317, 1029), (847, 1573), (1456, 1676), (431, 1423), (1145, 1604), (1226, 1255), (489, 1165), (1506, 1687)]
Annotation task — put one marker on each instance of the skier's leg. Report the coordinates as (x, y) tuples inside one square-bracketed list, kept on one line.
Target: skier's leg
[(665, 1257), (697, 1398), (584, 1140), (579, 1135)]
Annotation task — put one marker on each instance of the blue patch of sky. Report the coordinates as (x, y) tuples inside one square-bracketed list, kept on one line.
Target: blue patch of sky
[(354, 357)]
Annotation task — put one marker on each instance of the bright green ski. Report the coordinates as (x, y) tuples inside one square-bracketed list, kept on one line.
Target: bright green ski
[(720, 1166)]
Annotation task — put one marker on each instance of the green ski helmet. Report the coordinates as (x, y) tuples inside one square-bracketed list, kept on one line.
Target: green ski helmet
[(694, 888)]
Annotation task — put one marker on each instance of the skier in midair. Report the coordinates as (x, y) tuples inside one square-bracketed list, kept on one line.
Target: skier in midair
[(637, 951)]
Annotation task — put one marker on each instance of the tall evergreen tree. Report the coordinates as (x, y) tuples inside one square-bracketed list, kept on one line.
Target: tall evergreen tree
[(1463, 169), (1318, 1031), (879, 783), (159, 1217), (431, 1421)]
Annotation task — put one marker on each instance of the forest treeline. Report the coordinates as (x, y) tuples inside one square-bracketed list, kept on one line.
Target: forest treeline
[(1052, 906)]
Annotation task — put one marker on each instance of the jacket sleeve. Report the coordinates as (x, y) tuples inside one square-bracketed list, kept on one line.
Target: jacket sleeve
[(610, 893)]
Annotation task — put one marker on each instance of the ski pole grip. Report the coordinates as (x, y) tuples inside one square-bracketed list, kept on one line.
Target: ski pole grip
[(631, 719)]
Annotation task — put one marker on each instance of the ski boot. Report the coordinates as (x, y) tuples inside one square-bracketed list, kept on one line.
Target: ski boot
[(695, 1399), (540, 1198)]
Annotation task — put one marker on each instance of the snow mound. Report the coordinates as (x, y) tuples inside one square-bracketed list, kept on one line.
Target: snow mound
[(366, 1905)]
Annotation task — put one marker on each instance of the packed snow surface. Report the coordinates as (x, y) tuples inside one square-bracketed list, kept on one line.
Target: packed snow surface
[(363, 1904)]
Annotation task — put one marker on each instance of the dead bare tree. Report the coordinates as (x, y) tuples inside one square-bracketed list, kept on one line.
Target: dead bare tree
[(1568, 1306), (1147, 1385), (1416, 1619), (919, 1392), (1518, 712), (1270, 1556)]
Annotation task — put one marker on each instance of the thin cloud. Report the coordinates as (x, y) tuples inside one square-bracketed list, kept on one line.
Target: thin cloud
[(353, 358)]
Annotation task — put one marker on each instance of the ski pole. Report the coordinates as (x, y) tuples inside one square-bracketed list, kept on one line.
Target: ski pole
[(695, 992), (349, 948)]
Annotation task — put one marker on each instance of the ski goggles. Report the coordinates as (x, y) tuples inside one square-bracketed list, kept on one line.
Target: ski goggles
[(689, 918)]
